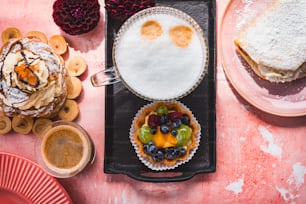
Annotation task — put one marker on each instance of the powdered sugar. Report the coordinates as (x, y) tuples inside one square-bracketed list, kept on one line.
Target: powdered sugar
[(12, 95), (278, 38), (19, 96), (245, 15)]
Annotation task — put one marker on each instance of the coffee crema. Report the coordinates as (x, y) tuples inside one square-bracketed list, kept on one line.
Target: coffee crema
[(65, 149)]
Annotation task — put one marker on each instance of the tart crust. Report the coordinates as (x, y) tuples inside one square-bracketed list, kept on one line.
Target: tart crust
[(140, 120)]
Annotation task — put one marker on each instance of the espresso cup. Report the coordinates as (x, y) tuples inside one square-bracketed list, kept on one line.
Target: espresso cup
[(160, 53), (64, 149)]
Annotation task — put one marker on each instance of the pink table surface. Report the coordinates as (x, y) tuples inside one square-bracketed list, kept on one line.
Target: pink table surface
[(260, 157)]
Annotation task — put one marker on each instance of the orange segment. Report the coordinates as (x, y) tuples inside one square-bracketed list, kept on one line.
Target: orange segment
[(32, 80), (164, 140), (27, 75), (158, 139), (170, 140)]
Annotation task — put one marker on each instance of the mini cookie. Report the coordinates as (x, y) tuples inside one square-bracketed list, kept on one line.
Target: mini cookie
[(76, 66), (37, 34), (10, 34), (5, 124), (69, 111), (58, 43), (22, 125)]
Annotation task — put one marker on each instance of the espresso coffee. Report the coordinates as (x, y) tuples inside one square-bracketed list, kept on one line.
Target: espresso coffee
[(65, 149)]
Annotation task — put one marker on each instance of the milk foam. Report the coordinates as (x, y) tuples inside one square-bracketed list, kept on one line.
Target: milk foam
[(158, 68)]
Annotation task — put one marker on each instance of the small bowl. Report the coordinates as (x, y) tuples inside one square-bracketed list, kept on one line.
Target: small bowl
[(64, 149)]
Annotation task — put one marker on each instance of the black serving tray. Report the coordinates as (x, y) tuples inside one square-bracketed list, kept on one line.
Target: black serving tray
[(122, 105)]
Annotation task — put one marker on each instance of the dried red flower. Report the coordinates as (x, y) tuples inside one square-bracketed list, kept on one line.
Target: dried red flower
[(76, 16), (122, 9)]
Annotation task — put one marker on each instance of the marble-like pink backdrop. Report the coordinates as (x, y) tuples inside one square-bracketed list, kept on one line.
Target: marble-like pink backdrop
[(260, 158)]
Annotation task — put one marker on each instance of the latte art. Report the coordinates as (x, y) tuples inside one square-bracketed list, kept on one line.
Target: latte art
[(160, 56)]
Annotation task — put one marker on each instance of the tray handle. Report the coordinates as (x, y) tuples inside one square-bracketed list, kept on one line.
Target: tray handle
[(104, 77), (161, 177)]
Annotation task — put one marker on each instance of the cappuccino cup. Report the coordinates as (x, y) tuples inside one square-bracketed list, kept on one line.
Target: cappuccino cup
[(160, 53)]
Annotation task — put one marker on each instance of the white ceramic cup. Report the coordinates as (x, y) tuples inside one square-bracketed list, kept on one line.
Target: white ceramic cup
[(195, 58)]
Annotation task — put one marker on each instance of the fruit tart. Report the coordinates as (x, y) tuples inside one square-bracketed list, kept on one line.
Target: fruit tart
[(165, 135), (32, 79)]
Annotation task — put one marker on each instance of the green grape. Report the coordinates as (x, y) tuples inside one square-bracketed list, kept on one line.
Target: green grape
[(162, 110), (183, 135), (145, 135)]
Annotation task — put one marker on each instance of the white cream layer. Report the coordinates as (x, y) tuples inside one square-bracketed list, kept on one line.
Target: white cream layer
[(158, 68), (48, 69)]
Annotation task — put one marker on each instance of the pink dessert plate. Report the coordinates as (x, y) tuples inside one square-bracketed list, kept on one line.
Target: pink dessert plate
[(282, 99), (24, 182)]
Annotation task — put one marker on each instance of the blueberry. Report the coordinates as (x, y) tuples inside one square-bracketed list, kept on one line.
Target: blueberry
[(171, 153), (168, 150), (152, 149), (163, 119), (146, 148), (185, 119), (164, 129), (177, 123), (181, 151), (176, 151), (158, 156), (150, 143), (153, 131), (170, 156), (174, 132), (163, 150)]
